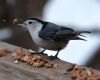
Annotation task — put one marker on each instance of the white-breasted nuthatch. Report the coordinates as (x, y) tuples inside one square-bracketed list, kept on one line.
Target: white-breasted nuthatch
[(50, 36)]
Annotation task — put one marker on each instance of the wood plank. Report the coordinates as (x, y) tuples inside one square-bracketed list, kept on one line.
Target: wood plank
[(22, 71)]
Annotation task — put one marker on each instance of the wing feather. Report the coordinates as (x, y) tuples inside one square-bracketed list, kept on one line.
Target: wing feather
[(55, 32)]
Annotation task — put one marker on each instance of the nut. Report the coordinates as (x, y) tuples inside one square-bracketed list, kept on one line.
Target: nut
[(15, 21), (38, 65), (88, 72), (36, 60), (70, 68), (19, 53), (31, 51), (16, 61), (18, 57), (74, 76), (25, 58), (4, 52), (48, 65), (55, 66), (81, 73)]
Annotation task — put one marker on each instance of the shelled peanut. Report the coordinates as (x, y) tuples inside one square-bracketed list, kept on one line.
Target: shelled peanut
[(82, 73), (4, 52), (33, 58)]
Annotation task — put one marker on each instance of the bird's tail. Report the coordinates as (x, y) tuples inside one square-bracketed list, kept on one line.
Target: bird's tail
[(79, 33)]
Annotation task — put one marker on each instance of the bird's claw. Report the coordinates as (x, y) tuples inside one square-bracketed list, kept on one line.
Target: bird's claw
[(53, 57)]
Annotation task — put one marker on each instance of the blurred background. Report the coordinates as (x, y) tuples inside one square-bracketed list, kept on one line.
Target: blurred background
[(76, 14)]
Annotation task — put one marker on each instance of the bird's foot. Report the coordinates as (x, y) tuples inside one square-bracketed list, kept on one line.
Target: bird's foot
[(43, 54), (53, 57)]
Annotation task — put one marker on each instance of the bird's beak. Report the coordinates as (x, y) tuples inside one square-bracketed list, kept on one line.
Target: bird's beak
[(23, 25)]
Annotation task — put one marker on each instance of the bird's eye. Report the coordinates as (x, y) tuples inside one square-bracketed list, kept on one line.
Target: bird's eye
[(30, 22)]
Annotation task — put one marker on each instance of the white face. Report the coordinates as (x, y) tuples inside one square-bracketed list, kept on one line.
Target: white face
[(29, 23)]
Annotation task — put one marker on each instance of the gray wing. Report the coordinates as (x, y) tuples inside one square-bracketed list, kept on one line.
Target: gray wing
[(56, 33)]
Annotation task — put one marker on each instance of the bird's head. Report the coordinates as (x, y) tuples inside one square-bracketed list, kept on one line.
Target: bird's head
[(32, 22)]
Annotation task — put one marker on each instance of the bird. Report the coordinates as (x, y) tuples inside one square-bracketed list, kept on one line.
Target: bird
[(50, 36)]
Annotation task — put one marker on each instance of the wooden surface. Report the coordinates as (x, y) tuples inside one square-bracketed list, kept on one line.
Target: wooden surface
[(22, 71)]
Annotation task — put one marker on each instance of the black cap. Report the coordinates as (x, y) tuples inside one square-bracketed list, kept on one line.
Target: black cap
[(39, 20)]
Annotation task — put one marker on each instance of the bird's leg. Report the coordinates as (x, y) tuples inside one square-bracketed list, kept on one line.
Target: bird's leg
[(56, 54), (54, 57), (42, 52)]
